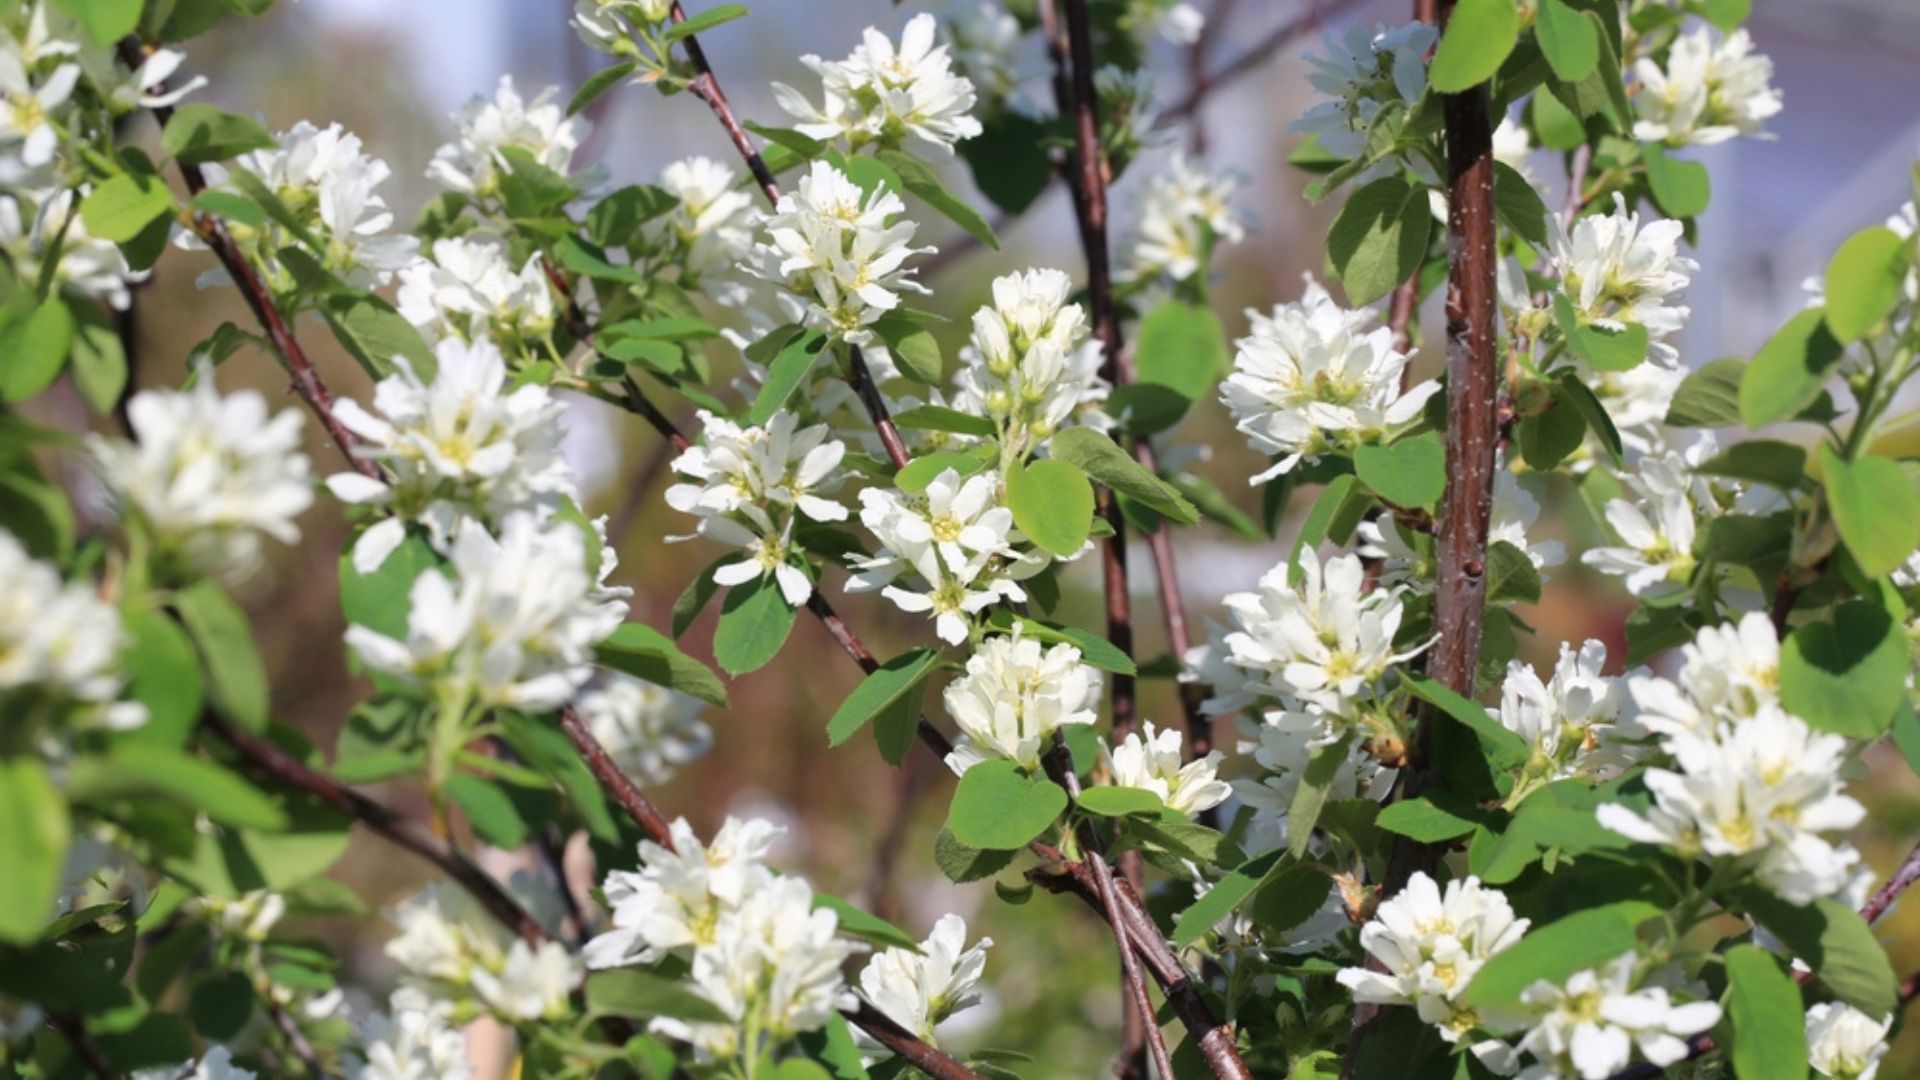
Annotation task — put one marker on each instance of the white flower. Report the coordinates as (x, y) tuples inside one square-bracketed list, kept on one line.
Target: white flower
[(671, 905), (467, 290), (449, 944), (410, 1044), (1707, 93), (1637, 401), (607, 25), (206, 475), (89, 266), (1432, 944), (1179, 23), (1589, 1025), (1512, 146), (1325, 643), (59, 643), (712, 227), (249, 917), (1311, 377), (1617, 272), (883, 94), (1014, 696), (1761, 792), (514, 624), (29, 115), (651, 732), (1282, 746), (840, 251), (215, 1064), (1568, 721), (1655, 555), (124, 90), (458, 445), (1183, 214), (918, 990), (984, 39), (1031, 363), (474, 161), (1152, 761), (1361, 73), (1844, 1043)]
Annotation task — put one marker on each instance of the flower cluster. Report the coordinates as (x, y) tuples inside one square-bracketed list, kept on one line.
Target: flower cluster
[(710, 231), (882, 93), (949, 550), (1590, 1025), (205, 476), (1570, 721), (473, 163), (920, 988), (1030, 363), (1015, 695), (1708, 92), (467, 291), (59, 648), (1617, 271), (1844, 1043), (453, 953), (1430, 944), (86, 265), (841, 251), (412, 1042), (1151, 760), (1311, 378), (1184, 213), (1361, 73), (650, 731), (750, 487)]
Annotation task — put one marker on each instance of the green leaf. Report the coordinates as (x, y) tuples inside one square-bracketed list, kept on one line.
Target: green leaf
[(147, 772), (1221, 900), (1180, 346), (196, 134), (1864, 280), (1547, 438), (36, 347), (754, 623), (927, 468), (494, 817), (788, 370), (599, 83), (236, 679), (1410, 473), (121, 207), (613, 220), (1569, 390), (1052, 504), (1094, 649), (234, 208), (705, 20), (1847, 676), (1837, 944), (99, 361), (1119, 801), (1600, 91), (996, 807), (1583, 940), (1786, 373), (962, 864), (1764, 461), (529, 190), (1556, 125), (867, 927), (806, 146), (1009, 160), (899, 680), (1769, 1030), (1875, 507), (1100, 458), (1570, 43), (914, 348), (920, 181), (1602, 348), (374, 333), (1427, 821), (643, 994), (1290, 896), (1504, 748), (1511, 575), (1518, 205), (107, 21), (1709, 397), (164, 675), (35, 510), (220, 1004), (833, 1046), (940, 418), (1680, 187), (590, 261), (646, 653), (1316, 781), (1477, 40), (33, 846), (1380, 238)]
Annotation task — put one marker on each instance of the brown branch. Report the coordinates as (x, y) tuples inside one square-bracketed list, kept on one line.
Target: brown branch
[(1906, 874), (1576, 184), (213, 232), (615, 782), (861, 379), (635, 401), (706, 87), (296, 1039), (75, 1032), (851, 644), (1257, 54), (912, 1050)]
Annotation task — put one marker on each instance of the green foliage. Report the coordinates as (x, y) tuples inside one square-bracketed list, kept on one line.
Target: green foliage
[(1052, 503), (1411, 473), (1786, 374), (1478, 37), (1837, 944), (1875, 507), (645, 995), (897, 684), (33, 846), (1864, 279), (645, 653), (754, 622), (1180, 346), (1846, 676), (1680, 187), (1096, 455), (1223, 898), (236, 678), (1380, 238), (197, 134), (1586, 939), (1763, 1004), (996, 807)]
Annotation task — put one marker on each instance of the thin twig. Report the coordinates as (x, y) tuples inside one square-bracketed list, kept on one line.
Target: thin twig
[(75, 1032), (1906, 874), (634, 400), (1576, 184), (615, 782), (902, 1042), (296, 1039), (861, 379), (1258, 53), (706, 87)]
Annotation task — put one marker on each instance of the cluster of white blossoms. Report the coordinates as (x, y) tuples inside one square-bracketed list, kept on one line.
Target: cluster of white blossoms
[(1708, 92), (609, 25), (513, 623), (1618, 271), (206, 476), (840, 251), (710, 232), (1015, 695), (1361, 73), (474, 161), (984, 42), (948, 550), (454, 953), (749, 487), (1031, 364), (920, 988), (327, 183), (467, 291), (650, 731), (413, 1041), (1590, 1025), (215, 1064), (882, 93), (1151, 760), (87, 266), (59, 648), (1312, 377), (1571, 721), (1430, 944), (457, 446), (1656, 528), (1184, 213), (1282, 745), (1844, 1043), (1408, 560)]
